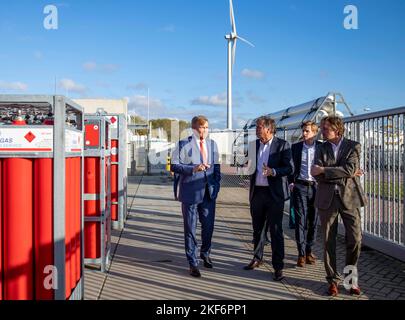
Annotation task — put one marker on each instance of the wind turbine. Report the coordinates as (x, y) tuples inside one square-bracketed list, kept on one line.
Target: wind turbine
[(232, 39)]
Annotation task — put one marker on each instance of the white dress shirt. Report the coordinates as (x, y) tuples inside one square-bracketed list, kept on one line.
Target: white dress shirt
[(263, 158), (307, 161), (336, 148)]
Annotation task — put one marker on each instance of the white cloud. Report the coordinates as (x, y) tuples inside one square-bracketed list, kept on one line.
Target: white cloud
[(142, 102), (17, 86), (91, 66), (71, 86), (219, 100), (253, 74)]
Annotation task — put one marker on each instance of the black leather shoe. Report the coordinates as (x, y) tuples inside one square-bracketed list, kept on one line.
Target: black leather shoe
[(278, 275), (253, 265), (207, 262), (194, 272)]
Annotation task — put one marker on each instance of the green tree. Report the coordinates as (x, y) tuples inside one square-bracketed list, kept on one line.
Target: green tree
[(164, 123)]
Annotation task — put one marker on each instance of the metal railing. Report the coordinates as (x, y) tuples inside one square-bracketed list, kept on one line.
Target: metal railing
[(382, 136)]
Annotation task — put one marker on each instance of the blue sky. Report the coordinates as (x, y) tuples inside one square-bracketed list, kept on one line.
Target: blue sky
[(116, 49)]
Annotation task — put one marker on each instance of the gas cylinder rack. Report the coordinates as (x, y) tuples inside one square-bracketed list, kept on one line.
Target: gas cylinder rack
[(118, 170), (41, 174), (97, 191)]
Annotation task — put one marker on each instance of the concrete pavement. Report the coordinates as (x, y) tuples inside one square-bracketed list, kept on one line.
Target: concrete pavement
[(149, 260)]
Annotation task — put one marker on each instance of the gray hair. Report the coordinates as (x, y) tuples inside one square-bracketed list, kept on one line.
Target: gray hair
[(268, 123)]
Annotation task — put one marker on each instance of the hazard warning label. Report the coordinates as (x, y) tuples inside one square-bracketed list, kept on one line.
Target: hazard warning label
[(114, 121), (74, 141), (26, 140)]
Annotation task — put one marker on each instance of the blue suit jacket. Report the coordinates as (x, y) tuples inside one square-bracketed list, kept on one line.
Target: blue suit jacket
[(192, 186)]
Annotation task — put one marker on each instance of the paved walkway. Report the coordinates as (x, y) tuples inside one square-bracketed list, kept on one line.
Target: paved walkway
[(149, 261)]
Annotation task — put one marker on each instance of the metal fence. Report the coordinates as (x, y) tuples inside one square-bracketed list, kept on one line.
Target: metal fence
[(382, 136)]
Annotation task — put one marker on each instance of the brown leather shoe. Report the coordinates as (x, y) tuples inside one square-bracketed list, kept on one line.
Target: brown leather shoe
[(333, 290), (355, 291), (311, 259), (301, 262), (253, 265)]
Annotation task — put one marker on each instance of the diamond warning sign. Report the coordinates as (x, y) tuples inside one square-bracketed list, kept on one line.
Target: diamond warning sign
[(30, 137), (114, 121)]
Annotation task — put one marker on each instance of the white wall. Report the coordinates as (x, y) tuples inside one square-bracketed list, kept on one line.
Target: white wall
[(109, 105)]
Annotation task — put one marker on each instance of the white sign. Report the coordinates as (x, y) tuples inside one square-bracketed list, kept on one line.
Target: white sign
[(26, 139), (114, 121), (73, 141)]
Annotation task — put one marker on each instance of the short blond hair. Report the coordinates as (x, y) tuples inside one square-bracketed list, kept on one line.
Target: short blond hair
[(309, 123), (199, 120)]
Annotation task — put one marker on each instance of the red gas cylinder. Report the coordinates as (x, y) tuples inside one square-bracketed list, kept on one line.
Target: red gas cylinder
[(18, 250), (18, 229), (19, 121), (73, 231), (48, 122), (92, 207), (114, 180), (77, 216), (68, 213), (43, 224)]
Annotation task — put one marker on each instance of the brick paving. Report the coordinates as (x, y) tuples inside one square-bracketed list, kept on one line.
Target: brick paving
[(149, 261)]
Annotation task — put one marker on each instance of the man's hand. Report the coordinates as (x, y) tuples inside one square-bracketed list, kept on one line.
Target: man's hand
[(291, 186), (201, 167), (268, 172), (359, 173), (317, 170)]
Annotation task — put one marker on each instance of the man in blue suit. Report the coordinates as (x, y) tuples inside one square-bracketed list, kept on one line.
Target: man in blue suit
[(196, 161)]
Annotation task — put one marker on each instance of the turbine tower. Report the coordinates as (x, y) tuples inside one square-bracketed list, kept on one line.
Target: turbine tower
[(232, 39)]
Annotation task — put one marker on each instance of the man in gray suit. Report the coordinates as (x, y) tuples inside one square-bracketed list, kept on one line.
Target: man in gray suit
[(336, 169)]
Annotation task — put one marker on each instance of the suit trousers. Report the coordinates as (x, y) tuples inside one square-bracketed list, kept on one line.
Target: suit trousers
[(206, 215), (267, 214), (329, 222), (306, 218)]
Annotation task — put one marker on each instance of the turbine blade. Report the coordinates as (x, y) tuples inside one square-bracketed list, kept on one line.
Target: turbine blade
[(244, 40), (233, 23)]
